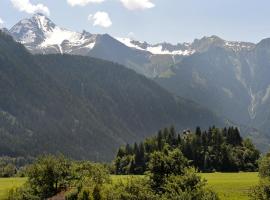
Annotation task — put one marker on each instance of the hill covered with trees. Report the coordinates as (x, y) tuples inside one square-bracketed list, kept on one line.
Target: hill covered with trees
[(82, 107), (222, 150)]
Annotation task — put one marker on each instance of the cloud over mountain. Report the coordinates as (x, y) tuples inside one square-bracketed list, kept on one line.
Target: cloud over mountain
[(138, 4), (101, 19), (28, 7), (1, 22), (83, 2)]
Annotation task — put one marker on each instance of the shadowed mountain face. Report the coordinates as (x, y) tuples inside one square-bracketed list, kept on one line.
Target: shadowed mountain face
[(80, 106), (235, 84)]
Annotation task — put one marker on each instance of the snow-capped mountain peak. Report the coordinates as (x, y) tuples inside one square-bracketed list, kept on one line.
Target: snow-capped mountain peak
[(40, 34), (32, 30), (43, 22)]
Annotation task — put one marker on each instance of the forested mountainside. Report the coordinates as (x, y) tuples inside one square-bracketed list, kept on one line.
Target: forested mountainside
[(80, 106), (234, 84)]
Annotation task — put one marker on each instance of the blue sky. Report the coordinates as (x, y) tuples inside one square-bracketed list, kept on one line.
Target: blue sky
[(152, 20)]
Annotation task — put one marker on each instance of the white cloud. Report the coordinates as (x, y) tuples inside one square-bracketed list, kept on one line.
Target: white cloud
[(28, 7), (137, 4), (1, 22), (100, 19), (83, 2)]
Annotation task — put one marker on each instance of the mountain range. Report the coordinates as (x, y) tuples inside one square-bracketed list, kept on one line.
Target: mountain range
[(234, 83), (229, 78), (80, 106), (40, 35)]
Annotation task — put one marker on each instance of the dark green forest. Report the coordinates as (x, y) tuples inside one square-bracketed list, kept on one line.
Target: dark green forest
[(82, 107), (222, 150)]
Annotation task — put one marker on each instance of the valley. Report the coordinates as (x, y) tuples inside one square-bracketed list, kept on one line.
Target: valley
[(134, 100)]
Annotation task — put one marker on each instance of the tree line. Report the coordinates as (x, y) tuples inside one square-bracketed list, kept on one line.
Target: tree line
[(13, 166), (222, 150)]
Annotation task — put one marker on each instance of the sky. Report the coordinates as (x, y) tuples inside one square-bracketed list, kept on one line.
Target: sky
[(150, 20)]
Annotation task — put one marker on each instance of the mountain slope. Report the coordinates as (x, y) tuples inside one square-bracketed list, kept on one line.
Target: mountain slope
[(232, 83), (80, 106)]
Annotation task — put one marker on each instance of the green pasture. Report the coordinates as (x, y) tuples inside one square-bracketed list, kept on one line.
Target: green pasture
[(8, 183), (229, 186)]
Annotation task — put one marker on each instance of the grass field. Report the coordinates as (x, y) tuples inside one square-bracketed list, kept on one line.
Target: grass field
[(229, 186), (8, 183)]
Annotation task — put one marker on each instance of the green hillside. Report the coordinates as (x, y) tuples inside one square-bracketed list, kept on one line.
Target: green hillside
[(80, 106)]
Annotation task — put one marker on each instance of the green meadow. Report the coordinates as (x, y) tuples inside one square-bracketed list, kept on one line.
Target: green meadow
[(8, 183), (229, 186)]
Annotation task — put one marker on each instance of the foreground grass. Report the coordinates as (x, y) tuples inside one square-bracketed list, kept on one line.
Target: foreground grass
[(229, 186), (8, 183)]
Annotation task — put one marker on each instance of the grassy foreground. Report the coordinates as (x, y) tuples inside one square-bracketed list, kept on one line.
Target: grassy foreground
[(229, 186), (232, 186), (8, 183)]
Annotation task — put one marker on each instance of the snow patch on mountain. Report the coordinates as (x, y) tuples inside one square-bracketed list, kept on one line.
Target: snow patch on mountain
[(28, 37), (128, 43), (159, 50), (154, 49), (58, 35), (238, 46)]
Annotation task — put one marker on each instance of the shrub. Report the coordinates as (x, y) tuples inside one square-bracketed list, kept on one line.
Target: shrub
[(189, 186), (22, 193), (131, 189)]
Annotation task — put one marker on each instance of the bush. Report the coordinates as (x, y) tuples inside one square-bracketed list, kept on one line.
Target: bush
[(187, 187), (131, 189), (165, 163), (264, 166), (49, 175), (85, 194), (8, 170), (22, 193), (262, 190)]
